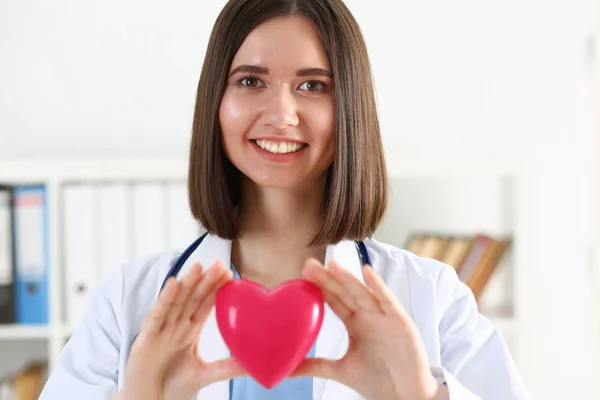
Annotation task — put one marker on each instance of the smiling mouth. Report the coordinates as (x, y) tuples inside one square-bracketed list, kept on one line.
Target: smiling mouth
[(279, 147)]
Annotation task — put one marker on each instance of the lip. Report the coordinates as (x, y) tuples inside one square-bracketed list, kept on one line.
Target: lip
[(278, 139), (280, 158)]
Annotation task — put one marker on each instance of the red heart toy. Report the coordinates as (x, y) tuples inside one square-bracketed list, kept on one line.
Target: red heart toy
[(269, 332)]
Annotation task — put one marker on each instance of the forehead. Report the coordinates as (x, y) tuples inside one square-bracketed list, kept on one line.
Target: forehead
[(283, 43)]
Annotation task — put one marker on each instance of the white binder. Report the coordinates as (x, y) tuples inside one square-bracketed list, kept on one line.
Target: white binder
[(183, 228), (150, 229), (80, 216), (115, 225)]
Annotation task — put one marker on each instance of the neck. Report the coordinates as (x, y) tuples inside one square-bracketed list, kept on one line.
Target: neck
[(277, 225)]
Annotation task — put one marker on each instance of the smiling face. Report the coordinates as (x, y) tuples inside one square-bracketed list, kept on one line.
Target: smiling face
[(277, 112)]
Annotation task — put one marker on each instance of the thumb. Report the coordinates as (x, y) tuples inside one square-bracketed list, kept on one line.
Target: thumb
[(318, 367), (221, 370)]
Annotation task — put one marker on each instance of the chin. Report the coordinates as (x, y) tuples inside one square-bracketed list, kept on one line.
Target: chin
[(272, 179), (284, 178), (275, 182)]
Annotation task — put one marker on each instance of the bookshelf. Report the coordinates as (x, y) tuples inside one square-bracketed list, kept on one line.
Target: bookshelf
[(54, 173), (510, 185)]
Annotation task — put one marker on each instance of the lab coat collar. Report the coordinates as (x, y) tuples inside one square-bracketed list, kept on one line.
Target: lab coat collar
[(332, 341)]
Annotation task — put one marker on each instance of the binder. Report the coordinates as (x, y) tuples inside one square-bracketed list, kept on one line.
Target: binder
[(183, 228), (31, 254), (7, 278), (80, 216), (149, 218), (115, 244)]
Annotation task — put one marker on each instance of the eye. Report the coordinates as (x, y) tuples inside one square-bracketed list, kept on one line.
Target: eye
[(251, 82), (313, 86)]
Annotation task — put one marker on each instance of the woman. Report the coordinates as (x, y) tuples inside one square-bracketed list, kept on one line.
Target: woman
[(286, 173)]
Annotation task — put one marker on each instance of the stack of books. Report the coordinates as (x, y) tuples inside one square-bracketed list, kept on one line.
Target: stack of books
[(26, 384), (475, 258)]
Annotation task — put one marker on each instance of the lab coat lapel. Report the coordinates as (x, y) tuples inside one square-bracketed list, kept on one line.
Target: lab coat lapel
[(332, 341), (211, 345)]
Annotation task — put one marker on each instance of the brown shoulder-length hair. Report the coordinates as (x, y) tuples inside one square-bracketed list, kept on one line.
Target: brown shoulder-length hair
[(356, 189)]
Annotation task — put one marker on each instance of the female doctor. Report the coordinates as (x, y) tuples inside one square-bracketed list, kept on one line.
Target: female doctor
[(287, 174)]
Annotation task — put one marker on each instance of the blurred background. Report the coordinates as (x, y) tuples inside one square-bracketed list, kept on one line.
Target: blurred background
[(489, 114)]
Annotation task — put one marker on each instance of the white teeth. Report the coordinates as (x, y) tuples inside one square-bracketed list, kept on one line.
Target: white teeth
[(279, 147)]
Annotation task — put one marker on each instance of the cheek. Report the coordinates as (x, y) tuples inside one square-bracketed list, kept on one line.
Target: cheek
[(235, 116), (323, 126)]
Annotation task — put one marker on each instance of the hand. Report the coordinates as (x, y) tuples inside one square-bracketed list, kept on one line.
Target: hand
[(385, 358), (163, 363)]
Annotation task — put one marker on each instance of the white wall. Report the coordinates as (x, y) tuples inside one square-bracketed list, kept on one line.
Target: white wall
[(501, 78), (109, 76), (97, 77)]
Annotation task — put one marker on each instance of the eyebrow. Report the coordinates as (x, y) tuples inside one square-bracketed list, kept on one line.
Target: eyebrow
[(314, 72), (255, 69)]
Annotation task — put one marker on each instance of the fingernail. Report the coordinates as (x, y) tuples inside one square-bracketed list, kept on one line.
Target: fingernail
[(218, 264)]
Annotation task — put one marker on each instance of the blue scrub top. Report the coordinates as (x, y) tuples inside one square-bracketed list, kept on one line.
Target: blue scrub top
[(246, 388)]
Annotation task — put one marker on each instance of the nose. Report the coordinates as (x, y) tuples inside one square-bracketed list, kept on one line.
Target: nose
[(280, 110)]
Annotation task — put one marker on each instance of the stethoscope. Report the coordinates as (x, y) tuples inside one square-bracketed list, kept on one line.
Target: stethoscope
[(363, 253)]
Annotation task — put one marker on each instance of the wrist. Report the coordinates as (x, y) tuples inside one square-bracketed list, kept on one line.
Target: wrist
[(142, 381), (138, 393), (429, 390), (148, 388)]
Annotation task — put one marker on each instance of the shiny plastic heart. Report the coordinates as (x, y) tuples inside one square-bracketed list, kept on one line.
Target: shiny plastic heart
[(269, 332)]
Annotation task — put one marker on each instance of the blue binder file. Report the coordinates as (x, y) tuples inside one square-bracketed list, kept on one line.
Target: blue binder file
[(31, 254)]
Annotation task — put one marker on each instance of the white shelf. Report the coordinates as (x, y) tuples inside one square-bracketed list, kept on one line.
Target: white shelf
[(67, 330), (11, 332), (432, 164), (24, 332), (402, 165), (92, 169)]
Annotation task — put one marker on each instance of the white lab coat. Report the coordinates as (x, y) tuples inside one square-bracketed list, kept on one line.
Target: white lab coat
[(465, 350)]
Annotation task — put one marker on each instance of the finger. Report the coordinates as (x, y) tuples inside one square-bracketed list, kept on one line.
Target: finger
[(363, 295), (156, 318), (207, 303), (323, 278), (332, 299), (318, 367), (337, 305), (186, 284), (201, 306), (221, 370), (386, 299), (203, 287)]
